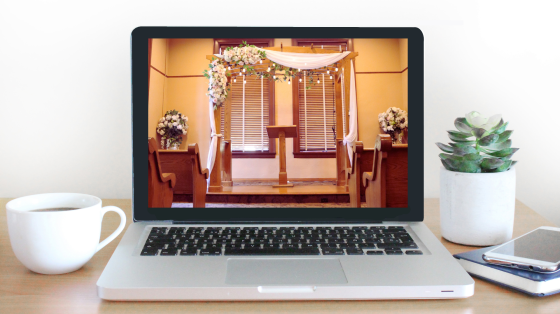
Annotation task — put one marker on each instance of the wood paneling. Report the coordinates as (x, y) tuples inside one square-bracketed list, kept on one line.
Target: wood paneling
[(387, 184), (191, 177), (160, 182)]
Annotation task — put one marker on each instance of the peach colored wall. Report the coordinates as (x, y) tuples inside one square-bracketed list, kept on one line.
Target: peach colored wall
[(157, 85), (376, 92)]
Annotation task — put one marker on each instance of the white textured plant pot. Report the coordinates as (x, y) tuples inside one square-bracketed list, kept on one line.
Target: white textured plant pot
[(477, 208)]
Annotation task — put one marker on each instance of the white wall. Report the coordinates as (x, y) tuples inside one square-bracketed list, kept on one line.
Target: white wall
[(65, 83)]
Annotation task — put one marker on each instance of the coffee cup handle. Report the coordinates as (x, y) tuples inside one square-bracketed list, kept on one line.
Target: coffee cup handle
[(119, 229)]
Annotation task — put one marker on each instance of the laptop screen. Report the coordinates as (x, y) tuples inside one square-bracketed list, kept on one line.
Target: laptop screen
[(271, 125)]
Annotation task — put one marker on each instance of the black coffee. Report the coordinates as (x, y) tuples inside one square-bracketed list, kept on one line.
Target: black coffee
[(54, 209)]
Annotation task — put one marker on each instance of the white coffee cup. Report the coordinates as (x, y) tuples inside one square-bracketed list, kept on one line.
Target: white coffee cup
[(57, 242)]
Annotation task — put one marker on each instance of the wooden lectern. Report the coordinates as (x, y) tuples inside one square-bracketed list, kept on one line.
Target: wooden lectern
[(281, 132)]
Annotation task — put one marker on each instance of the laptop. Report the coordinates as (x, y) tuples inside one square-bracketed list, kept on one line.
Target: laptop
[(243, 250)]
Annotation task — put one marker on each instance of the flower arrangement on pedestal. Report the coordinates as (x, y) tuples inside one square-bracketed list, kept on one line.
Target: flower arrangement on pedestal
[(172, 127), (393, 122)]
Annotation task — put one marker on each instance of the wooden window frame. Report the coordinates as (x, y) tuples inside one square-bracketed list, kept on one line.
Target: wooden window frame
[(218, 42), (295, 95)]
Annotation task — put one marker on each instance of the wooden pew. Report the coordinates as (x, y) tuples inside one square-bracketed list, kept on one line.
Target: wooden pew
[(191, 178), (160, 184), (387, 184), (362, 159)]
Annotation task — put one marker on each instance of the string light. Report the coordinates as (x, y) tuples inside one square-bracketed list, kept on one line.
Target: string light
[(243, 69), (289, 82), (331, 77), (260, 61), (299, 70), (318, 81), (268, 70), (300, 80), (336, 69), (274, 76), (234, 80), (240, 74), (229, 68), (328, 72)]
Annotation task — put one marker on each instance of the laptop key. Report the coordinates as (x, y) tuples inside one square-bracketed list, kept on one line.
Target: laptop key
[(168, 252), (354, 251), (149, 252), (332, 251), (374, 252), (188, 251), (414, 252), (408, 245), (393, 252), (210, 252)]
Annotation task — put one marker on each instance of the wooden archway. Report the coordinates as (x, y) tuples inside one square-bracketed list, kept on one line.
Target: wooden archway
[(221, 174)]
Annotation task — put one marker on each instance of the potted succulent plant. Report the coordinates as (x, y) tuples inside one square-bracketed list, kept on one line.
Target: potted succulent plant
[(477, 182)]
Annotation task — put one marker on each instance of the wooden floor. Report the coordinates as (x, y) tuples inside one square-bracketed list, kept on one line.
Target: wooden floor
[(269, 190)]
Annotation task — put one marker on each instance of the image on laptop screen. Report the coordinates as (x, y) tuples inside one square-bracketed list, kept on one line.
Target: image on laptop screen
[(278, 122)]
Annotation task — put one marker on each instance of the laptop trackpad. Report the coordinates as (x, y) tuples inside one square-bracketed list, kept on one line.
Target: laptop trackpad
[(284, 271)]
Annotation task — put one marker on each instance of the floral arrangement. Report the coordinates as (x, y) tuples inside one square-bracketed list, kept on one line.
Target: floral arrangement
[(243, 56), (393, 121), (478, 135), (172, 127)]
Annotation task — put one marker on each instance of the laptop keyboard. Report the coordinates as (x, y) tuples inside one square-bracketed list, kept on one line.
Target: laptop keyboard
[(261, 241)]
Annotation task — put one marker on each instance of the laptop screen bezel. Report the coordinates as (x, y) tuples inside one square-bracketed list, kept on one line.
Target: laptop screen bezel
[(139, 106)]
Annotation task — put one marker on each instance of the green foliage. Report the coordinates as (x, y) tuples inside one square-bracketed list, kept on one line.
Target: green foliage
[(478, 148)]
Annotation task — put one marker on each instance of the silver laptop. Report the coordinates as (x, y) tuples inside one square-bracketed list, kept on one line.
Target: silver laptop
[(243, 252)]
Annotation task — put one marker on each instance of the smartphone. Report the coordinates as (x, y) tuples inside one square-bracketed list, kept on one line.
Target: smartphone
[(538, 250)]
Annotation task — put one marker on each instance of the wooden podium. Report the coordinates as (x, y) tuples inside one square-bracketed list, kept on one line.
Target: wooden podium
[(281, 132)]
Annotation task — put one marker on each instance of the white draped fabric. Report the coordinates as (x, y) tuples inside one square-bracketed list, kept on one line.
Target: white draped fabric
[(352, 135), (303, 61), (214, 143)]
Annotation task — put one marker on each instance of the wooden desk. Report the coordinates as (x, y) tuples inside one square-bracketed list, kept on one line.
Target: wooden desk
[(22, 291)]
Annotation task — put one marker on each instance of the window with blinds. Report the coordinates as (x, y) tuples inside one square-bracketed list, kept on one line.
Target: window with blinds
[(316, 115), (314, 108), (252, 108), (250, 114)]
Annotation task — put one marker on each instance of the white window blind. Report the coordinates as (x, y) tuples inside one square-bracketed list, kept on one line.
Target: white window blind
[(249, 114), (316, 114)]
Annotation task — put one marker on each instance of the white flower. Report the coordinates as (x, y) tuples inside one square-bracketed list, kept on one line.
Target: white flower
[(184, 132), (165, 123), (185, 118), (174, 123), (180, 127), (477, 120), (160, 125), (168, 117)]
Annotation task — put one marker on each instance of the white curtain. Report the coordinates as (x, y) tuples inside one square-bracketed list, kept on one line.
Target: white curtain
[(214, 144), (304, 61), (352, 136)]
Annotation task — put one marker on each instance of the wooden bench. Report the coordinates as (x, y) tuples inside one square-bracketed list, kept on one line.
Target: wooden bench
[(387, 184), (160, 184), (191, 178), (362, 159)]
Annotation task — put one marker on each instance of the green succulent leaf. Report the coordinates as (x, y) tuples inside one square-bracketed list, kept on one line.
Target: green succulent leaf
[(462, 144), (505, 166), (488, 140), (491, 163), (460, 134), (497, 126), (469, 166), (462, 125), (445, 148), (457, 139), (499, 146), (447, 164), (501, 129), (473, 157), (461, 151), (478, 132), (513, 162), (504, 152), (504, 136)]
